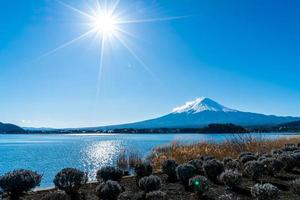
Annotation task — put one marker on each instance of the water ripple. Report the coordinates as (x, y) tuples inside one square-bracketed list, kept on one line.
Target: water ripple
[(99, 154)]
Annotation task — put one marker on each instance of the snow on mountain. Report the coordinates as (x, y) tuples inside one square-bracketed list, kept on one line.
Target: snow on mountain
[(202, 104)]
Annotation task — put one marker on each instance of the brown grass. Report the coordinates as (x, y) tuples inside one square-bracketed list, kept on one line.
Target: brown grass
[(134, 158), (128, 159), (122, 161), (232, 148)]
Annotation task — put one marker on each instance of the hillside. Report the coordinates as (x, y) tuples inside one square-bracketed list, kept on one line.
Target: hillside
[(290, 127), (10, 128)]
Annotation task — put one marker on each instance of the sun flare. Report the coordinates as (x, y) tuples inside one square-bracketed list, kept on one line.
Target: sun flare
[(108, 23), (105, 23)]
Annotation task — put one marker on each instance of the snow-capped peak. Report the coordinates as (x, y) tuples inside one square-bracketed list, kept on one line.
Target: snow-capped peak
[(201, 104)]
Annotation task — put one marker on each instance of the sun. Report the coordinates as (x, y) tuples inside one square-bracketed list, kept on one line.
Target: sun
[(105, 23), (108, 24)]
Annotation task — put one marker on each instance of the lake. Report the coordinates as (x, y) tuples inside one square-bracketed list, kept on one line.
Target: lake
[(48, 154)]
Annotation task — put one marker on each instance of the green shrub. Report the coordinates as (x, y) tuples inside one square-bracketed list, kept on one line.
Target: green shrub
[(253, 170), (17, 182), (141, 170), (109, 190), (207, 157), (297, 151), (289, 162), (289, 147), (296, 156), (264, 156), (198, 164), (276, 152), (272, 166), (265, 191), (213, 168), (246, 154), (150, 183), (169, 168), (231, 178), (226, 160), (109, 173), (184, 173), (232, 164), (267, 155), (199, 184), (247, 158), (70, 180)]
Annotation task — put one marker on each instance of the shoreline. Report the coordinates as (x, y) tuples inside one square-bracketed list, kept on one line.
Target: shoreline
[(177, 133), (258, 150)]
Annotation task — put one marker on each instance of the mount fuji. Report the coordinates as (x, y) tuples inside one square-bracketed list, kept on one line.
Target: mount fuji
[(204, 111)]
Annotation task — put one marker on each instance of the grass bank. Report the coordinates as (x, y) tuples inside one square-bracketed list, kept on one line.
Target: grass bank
[(259, 168), (232, 147)]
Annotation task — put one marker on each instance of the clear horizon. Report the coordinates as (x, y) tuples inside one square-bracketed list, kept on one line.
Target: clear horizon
[(244, 55)]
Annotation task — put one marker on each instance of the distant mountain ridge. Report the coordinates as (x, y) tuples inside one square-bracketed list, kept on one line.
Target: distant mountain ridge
[(39, 129), (204, 111), (198, 113), (10, 128)]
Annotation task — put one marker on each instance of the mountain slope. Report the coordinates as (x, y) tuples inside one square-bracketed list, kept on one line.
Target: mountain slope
[(10, 128), (204, 111)]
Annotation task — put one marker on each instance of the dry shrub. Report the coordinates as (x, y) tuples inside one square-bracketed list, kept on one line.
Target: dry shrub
[(134, 158), (109, 190), (122, 161), (128, 159), (182, 153)]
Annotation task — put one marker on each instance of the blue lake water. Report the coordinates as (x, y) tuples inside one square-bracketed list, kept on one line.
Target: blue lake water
[(48, 154)]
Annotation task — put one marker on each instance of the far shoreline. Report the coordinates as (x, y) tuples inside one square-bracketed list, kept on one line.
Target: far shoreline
[(156, 133)]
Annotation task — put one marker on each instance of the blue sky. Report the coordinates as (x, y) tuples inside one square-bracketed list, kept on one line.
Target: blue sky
[(243, 54)]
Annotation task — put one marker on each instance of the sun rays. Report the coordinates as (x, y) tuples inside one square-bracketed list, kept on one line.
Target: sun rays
[(107, 24)]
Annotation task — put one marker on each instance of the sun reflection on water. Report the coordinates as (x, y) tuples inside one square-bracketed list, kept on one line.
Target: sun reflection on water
[(99, 154)]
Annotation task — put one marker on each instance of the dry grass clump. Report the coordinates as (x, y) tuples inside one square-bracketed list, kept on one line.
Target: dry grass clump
[(127, 160), (134, 158), (122, 161), (229, 148)]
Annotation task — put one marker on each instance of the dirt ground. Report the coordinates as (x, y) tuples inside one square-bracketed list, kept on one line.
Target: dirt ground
[(175, 191)]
